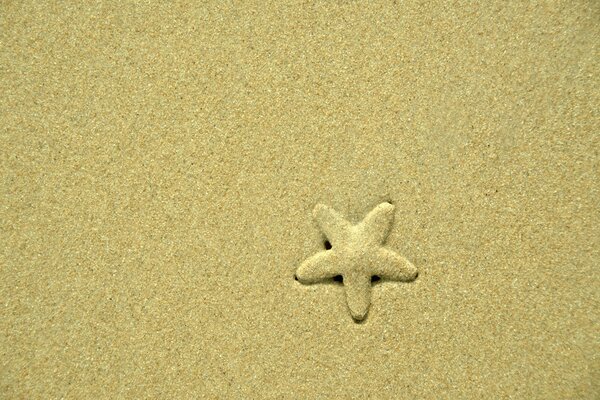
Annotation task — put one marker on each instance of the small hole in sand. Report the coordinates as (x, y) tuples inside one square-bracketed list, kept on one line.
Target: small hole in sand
[(375, 278), (295, 277), (327, 244), (338, 278)]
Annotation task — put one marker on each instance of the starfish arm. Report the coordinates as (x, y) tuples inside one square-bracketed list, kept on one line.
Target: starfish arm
[(358, 294), (332, 224), (318, 268), (376, 225), (391, 266)]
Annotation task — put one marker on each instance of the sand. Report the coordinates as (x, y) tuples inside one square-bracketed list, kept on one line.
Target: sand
[(160, 165)]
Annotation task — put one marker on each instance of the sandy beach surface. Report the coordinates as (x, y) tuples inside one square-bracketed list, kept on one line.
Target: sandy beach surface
[(160, 164)]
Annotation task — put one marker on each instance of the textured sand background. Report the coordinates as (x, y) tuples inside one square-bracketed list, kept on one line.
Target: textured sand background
[(159, 165)]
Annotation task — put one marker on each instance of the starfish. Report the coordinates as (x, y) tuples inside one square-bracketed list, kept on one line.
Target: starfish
[(358, 254)]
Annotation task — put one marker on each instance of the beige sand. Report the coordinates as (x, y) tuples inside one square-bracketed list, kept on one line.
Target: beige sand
[(160, 165)]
